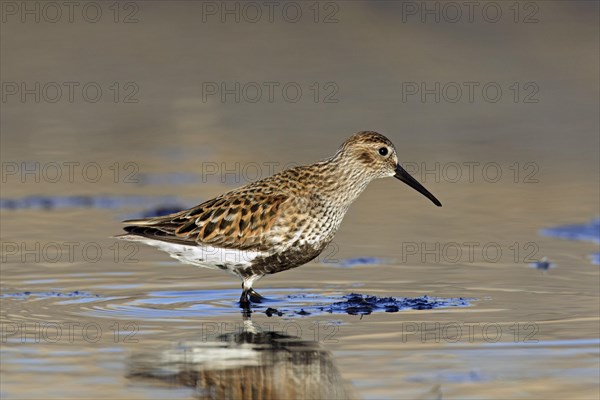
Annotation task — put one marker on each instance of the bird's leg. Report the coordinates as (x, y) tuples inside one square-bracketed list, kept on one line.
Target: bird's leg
[(244, 301), (246, 314)]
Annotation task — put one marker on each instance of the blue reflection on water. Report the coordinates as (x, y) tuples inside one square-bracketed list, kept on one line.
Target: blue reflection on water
[(81, 201), (587, 232), (582, 232), (357, 261)]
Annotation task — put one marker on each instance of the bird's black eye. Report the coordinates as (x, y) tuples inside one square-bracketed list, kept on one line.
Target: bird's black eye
[(383, 151)]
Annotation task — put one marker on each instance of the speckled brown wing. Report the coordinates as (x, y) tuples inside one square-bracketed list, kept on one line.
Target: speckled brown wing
[(241, 220)]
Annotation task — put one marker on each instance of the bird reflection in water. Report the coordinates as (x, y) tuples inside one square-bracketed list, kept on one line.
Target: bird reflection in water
[(249, 364)]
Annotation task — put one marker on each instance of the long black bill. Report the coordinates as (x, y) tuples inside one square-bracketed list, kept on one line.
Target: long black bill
[(413, 183)]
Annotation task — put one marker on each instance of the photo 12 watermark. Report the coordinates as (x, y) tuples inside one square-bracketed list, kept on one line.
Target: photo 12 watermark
[(70, 12), (51, 252), (253, 12), (270, 92), (73, 172), (521, 172), (238, 172), (485, 12), (468, 252), (127, 252), (468, 332), (68, 332), (126, 92), (490, 92), (316, 331), (81, 171), (461, 172)]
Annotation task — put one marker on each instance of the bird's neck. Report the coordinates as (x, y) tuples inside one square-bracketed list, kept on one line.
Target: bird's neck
[(341, 182)]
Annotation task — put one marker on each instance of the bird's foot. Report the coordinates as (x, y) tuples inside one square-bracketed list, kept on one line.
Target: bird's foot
[(247, 298), (245, 305), (251, 296), (255, 297), (244, 300)]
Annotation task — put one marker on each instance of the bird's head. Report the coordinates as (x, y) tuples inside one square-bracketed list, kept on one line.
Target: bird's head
[(375, 156)]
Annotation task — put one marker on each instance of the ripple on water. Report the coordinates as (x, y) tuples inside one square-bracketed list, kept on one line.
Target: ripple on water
[(29, 295), (190, 304), (74, 297)]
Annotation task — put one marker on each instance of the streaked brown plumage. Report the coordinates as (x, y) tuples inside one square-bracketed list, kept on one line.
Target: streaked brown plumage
[(277, 223)]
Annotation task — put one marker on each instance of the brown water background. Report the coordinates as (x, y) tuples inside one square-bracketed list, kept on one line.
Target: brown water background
[(527, 333)]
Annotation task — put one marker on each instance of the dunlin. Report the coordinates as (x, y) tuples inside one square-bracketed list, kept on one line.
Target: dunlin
[(277, 223)]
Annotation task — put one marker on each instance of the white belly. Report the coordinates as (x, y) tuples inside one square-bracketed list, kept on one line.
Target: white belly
[(203, 255)]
